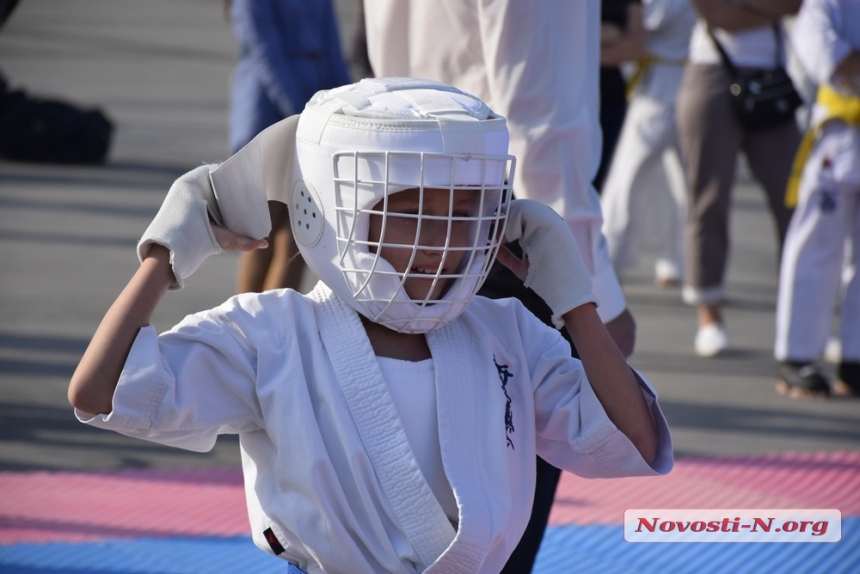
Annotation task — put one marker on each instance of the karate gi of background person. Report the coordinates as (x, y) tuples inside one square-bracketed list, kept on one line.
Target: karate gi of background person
[(826, 188), (637, 210)]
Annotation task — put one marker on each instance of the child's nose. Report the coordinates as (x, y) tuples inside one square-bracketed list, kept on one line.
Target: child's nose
[(434, 233)]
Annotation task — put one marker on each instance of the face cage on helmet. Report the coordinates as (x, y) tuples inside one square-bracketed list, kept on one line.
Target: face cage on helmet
[(486, 232)]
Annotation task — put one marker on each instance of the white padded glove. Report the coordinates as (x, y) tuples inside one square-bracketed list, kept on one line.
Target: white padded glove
[(182, 224), (556, 270), (233, 194)]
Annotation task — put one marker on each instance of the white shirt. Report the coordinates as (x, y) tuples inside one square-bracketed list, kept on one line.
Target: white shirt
[(668, 24), (754, 48), (825, 32), (413, 388)]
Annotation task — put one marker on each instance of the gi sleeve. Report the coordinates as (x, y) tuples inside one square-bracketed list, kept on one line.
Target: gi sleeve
[(573, 430), (816, 30), (185, 387)]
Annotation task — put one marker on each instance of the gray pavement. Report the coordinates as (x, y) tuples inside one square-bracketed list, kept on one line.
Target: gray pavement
[(161, 70)]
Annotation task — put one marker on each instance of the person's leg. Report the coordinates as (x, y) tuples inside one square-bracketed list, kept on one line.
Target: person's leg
[(770, 153), (628, 196), (848, 380), (278, 266), (670, 251), (613, 108), (523, 557), (709, 138), (810, 275)]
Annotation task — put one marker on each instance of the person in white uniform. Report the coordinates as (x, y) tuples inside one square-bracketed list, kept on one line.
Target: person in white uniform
[(388, 420), (536, 64), (826, 222), (646, 163)]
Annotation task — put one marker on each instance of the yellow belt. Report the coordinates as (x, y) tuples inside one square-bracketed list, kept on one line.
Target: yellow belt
[(643, 65), (839, 107)]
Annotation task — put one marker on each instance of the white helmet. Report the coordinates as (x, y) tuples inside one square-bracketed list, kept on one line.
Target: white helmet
[(359, 144)]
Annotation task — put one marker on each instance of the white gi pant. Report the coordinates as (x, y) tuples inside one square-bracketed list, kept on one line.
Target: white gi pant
[(644, 196), (815, 261)]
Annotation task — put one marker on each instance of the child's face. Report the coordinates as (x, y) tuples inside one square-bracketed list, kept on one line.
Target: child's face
[(431, 257)]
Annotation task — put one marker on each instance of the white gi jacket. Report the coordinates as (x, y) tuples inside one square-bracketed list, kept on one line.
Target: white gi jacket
[(328, 469), (535, 62)]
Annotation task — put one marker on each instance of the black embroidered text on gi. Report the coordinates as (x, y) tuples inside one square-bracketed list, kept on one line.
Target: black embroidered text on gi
[(504, 375)]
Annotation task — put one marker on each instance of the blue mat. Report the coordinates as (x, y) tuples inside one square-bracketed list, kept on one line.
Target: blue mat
[(580, 549)]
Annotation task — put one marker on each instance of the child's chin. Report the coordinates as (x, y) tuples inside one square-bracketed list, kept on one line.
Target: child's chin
[(418, 289)]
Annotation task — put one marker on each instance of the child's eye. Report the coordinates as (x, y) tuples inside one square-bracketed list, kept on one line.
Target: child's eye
[(461, 214)]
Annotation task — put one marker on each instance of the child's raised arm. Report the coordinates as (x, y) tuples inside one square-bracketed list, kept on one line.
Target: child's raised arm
[(554, 269), (175, 244)]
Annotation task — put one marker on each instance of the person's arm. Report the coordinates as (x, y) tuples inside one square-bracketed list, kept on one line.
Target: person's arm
[(275, 56), (622, 329), (336, 60), (612, 379), (623, 45), (553, 268), (95, 379), (847, 73), (827, 57), (735, 15)]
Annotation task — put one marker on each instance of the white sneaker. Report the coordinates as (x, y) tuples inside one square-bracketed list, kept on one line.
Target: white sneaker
[(711, 340), (833, 350), (666, 273)]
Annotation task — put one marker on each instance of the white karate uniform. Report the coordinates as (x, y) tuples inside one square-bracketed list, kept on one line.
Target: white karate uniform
[(646, 162), (328, 467), (827, 217), (536, 64)]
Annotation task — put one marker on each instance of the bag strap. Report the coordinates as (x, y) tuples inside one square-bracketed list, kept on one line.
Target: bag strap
[(727, 62)]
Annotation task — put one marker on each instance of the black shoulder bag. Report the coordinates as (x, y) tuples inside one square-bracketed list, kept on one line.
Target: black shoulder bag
[(761, 98)]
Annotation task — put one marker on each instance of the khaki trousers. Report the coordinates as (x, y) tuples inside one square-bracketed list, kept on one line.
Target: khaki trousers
[(710, 138)]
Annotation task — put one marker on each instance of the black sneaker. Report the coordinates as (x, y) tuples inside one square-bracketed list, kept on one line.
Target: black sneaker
[(848, 382), (802, 380)]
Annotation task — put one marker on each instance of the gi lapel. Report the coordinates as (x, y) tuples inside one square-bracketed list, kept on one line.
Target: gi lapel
[(456, 374), (421, 517)]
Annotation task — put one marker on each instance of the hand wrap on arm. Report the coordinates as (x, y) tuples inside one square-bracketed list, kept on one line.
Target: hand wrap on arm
[(556, 270)]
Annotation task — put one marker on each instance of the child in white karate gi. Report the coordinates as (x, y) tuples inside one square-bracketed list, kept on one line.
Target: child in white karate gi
[(389, 420)]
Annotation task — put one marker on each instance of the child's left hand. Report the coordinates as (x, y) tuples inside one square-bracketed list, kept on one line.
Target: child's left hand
[(552, 265), (232, 241)]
